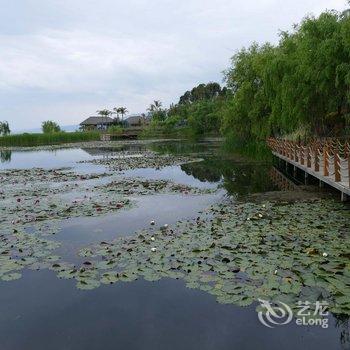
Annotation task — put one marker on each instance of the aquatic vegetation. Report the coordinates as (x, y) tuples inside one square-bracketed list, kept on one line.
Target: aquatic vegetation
[(141, 186), (19, 250), (35, 195), (35, 175), (84, 145), (136, 160), (239, 253), (35, 139)]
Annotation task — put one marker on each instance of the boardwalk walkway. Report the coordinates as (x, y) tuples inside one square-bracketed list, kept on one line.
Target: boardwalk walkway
[(127, 133), (328, 160)]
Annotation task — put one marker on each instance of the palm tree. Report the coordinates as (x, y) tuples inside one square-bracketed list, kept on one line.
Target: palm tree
[(122, 111), (151, 108), (116, 111), (155, 106), (104, 112)]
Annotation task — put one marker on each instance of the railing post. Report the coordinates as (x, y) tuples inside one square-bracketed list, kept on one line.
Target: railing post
[(337, 174), (289, 150), (302, 155), (349, 168), (325, 160), (317, 163), (308, 161)]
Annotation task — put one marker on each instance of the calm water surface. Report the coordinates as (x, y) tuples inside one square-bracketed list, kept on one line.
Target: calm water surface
[(40, 311)]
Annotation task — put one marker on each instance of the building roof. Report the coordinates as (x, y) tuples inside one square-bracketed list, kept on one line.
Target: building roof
[(97, 120), (135, 119)]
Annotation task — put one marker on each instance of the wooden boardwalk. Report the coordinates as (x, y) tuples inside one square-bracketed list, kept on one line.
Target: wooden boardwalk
[(128, 133), (328, 160)]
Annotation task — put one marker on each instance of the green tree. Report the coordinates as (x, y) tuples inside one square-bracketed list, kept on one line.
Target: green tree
[(122, 111), (303, 82), (157, 112), (4, 128), (104, 112), (49, 127)]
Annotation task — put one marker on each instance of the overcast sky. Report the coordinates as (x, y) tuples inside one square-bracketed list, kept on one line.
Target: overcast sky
[(64, 59)]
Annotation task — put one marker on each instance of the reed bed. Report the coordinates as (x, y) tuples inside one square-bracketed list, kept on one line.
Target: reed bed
[(37, 139)]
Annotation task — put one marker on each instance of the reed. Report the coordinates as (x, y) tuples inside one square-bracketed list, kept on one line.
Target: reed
[(27, 140)]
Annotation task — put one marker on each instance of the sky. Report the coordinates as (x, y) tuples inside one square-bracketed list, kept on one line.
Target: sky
[(64, 59)]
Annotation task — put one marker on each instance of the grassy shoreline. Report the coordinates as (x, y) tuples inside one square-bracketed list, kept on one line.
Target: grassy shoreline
[(38, 139)]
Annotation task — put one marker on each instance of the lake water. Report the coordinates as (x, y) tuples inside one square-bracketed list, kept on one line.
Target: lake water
[(40, 311)]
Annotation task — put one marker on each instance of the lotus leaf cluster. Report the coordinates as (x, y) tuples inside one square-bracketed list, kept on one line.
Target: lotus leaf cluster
[(129, 160), (239, 253)]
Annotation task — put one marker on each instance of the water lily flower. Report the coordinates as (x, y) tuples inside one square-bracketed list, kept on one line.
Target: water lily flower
[(325, 255), (276, 272), (153, 250), (153, 239), (260, 216)]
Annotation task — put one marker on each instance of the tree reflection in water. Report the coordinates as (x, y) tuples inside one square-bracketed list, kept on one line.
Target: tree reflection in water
[(343, 323), (5, 156), (236, 177)]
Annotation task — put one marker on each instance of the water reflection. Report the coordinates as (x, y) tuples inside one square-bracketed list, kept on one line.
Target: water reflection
[(163, 314), (235, 177), (343, 323), (113, 151), (281, 181), (5, 156)]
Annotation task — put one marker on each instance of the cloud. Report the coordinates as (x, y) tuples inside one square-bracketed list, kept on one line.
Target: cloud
[(77, 60), (62, 57)]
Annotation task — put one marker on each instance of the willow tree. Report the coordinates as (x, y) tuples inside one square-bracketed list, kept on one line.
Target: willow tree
[(304, 81)]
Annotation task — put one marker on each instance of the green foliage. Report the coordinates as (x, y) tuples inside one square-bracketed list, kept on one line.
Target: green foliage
[(202, 92), (119, 110), (104, 113), (49, 127), (4, 128), (303, 82), (198, 112), (252, 149), (26, 140), (157, 112), (115, 129), (298, 88), (204, 117)]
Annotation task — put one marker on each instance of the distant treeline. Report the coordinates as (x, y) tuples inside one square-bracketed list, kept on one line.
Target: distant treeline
[(300, 86)]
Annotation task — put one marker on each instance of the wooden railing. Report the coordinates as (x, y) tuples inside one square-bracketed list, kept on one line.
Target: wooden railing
[(328, 157), (281, 181)]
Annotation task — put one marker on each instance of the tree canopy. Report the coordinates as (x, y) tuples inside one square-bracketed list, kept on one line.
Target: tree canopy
[(304, 81), (4, 128), (49, 127), (299, 86)]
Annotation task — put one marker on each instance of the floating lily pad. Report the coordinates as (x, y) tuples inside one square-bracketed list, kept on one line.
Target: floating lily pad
[(11, 276)]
